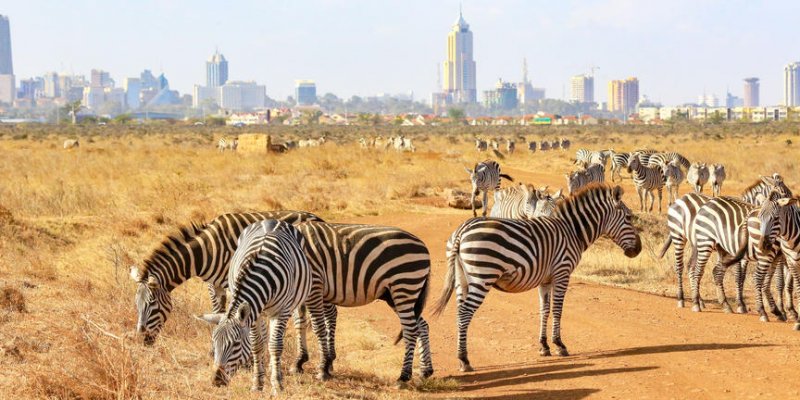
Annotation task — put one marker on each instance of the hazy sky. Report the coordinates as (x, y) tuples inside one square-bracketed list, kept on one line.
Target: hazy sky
[(677, 48)]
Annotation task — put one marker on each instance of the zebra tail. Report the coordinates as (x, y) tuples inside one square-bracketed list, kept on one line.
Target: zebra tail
[(419, 306), (508, 177), (665, 247), (449, 280)]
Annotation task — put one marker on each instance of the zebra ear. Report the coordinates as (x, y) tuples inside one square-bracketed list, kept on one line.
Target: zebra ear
[(557, 194), (211, 319), (789, 201), (243, 313)]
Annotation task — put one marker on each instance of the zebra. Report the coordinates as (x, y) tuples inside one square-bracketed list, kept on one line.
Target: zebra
[(481, 145), (269, 277), (646, 180), (680, 221), (673, 176), (544, 145), (532, 147), (510, 146), (312, 142), (197, 250), (401, 143), (763, 187), (363, 143), (592, 173), (358, 264), (72, 144), (485, 176), (555, 144), (494, 144), (645, 154), (716, 178), (618, 162), (565, 143), (227, 144), (519, 255), (523, 201), (662, 159), (697, 176)]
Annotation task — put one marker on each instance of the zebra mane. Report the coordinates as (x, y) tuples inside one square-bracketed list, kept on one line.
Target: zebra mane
[(185, 234), (752, 186), (582, 193)]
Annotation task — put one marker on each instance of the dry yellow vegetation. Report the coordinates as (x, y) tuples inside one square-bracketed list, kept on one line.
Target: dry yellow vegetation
[(72, 221)]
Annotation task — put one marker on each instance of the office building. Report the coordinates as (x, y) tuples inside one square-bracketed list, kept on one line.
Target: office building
[(51, 85), (133, 90), (732, 101), (708, 100), (751, 88), (305, 92), (791, 85), (459, 69), (582, 89), (101, 79), (503, 97), (216, 70), (623, 96), (6, 66)]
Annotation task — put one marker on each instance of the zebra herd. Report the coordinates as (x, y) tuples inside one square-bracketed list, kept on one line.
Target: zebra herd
[(510, 145), (399, 143)]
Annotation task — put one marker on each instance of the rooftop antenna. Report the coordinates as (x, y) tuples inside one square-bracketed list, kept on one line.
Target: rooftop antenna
[(438, 76)]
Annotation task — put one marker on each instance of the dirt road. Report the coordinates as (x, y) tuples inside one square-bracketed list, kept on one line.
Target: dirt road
[(624, 344)]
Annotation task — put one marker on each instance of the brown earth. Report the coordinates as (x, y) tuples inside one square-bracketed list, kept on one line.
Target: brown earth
[(624, 344)]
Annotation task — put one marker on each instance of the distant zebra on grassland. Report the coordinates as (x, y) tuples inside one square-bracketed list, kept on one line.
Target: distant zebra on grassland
[(592, 157), (481, 145), (519, 255), (511, 146), (485, 176), (544, 145), (565, 144), (594, 173), (618, 162), (523, 201), (532, 147), (662, 159), (673, 176), (269, 277), (716, 178), (227, 144), (697, 176), (646, 180)]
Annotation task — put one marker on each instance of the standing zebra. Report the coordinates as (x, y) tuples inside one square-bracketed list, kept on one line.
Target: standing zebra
[(662, 159), (697, 176), (646, 180), (532, 147), (680, 222), (592, 157), (519, 255), (763, 187), (510, 146), (485, 176), (227, 144), (198, 250), (673, 176), (354, 265), (523, 201), (565, 143), (716, 178), (594, 173), (269, 277), (644, 155), (618, 162), (481, 145), (544, 145)]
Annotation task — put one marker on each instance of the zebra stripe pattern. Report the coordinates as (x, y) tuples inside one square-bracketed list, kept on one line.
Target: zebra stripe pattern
[(697, 176), (198, 250), (716, 178), (592, 157), (662, 159), (523, 201), (680, 221), (227, 144), (646, 180), (619, 161), (358, 264), (485, 176), (673, 176), (594, 173), (763, 187), (269, 277), (519, 255)]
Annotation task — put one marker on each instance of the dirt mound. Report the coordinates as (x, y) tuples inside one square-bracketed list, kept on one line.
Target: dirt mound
[(12, 300)]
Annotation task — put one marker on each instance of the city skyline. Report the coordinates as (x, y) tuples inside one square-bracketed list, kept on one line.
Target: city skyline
[(559, 41)]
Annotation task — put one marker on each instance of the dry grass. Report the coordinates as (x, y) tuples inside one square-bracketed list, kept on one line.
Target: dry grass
[(72, 221)]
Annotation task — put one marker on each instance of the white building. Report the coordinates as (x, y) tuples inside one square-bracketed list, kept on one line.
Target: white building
[(791, 85), (582, 89), (7, 89)]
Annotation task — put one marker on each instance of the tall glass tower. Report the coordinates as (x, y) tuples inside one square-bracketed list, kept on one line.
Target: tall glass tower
[(6, 68), (459, 69), (216, 70)]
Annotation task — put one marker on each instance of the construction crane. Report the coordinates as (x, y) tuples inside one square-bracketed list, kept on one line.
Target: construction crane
[(593, 68)]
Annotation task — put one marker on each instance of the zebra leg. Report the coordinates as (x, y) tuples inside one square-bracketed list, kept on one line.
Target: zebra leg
[(640, 192), (659, 199), (544, 313), (719, 275), (277, 328), (424, 349), (559, 291), (467, 306), (740, 274), (316, 308), (485, 202), (300, 325), (472, 202), (758, 282), (679, 246), (404, 308), (790, 288), (795, 269), (768, 293), (330, 326), (779, 285), (258, 334), (701, 256)]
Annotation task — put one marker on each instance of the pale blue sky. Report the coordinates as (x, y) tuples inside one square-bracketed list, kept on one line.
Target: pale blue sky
[(677, 48)]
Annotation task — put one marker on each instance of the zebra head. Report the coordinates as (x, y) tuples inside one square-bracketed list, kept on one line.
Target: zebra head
[(153, 305), (231, 342), (634, 162), (775, 182), (618, 224), (775, 215)]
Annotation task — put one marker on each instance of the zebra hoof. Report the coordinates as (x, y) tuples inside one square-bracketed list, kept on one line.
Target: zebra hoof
[(792, 316), (323, 376), (544, 352), (401, 384), (741, 310), (680, 303), (727, 309), (696, 308), (797, 326), (425, 373), (562, 351), (763, 318), (466, 368), (257, 388)]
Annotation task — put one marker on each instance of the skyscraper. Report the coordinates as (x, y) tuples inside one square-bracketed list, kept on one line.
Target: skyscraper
[(623, 95), (791, 85), (459, 69), (305, 92), (216, 70), (582, 89), (751, 92), (7, 81)]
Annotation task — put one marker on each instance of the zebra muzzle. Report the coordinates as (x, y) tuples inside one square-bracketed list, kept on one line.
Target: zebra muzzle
[(221, 378)]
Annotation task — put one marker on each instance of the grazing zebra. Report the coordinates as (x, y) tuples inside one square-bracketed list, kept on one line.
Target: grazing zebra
[(523, 201), (565, 143), (519, 255), (618, 162), (71, 144), (312, 142), (594, 173), (697, 176), (510, 146), (291, 144), (662, 159), (358, 264), (680, 221), (377, 142), (673, 176), (198, 250), (544, 145), (763, 187), (532, 147), (592, 157), (481, 145), (227, 144), (401, 143), (269, 277), (646, 180), (716, 178), (485, 176)]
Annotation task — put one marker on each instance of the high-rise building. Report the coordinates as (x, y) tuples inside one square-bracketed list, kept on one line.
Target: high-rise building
[(51, 87), (459, 69), (503, 97), (623, 95), (732, 101), (582, 89), (708, 100), (133, 89), (101, 79), (305, 92), (240, 96), (791, 84), (216, 70), (751, 92), (6, 66)]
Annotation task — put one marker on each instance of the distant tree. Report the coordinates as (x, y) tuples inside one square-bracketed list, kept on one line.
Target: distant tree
[(215, 121), (715, 118), (122, 119), (456, 115)]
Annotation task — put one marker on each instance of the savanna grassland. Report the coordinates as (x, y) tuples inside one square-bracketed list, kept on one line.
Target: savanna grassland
[(72, 222)]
